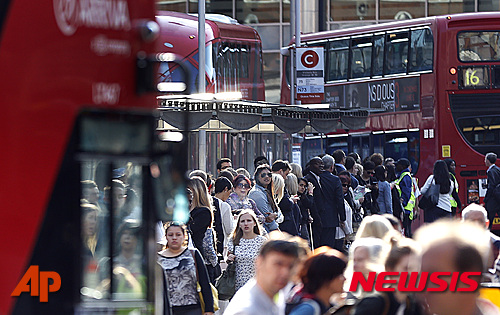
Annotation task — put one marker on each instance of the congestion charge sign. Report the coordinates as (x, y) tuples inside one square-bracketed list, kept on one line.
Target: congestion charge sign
[(310, 75)]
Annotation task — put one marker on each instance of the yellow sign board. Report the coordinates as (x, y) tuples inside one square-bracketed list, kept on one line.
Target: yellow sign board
[(446, 151)]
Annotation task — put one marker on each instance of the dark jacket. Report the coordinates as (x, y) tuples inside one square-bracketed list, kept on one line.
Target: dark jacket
[(333, 203), (405, 185), (286, 206), (493, 180), (199, 221)]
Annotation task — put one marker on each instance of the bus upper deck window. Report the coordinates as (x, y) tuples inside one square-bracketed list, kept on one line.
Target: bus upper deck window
[(478, 46), (378, 55), (338, 56), (361, 57), (397, 53), (421, 48)]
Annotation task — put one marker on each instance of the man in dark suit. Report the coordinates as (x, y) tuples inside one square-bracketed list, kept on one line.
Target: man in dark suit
[(334, 209), (492, 204), (313, 169), (328, 202)]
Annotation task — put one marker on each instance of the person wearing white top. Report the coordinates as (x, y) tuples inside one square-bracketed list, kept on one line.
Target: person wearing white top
[(223, 189), (441, 177)]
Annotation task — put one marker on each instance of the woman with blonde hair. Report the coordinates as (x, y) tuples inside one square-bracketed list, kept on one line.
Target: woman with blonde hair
[(278, 192), (201, 219), (296, 170), (244, 246), (375, 226), (277, 188)]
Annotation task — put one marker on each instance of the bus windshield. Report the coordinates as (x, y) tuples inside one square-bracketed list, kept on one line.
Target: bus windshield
[(479, 46)]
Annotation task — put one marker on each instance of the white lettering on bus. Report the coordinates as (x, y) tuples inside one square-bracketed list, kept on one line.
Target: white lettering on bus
[(102, 46), (102, 14), (105, 93), (382, 92)]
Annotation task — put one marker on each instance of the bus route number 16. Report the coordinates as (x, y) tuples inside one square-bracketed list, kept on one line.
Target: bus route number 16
[(475, 77)]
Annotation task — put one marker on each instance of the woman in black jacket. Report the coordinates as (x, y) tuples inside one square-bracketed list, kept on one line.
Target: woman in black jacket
[(201, 219)]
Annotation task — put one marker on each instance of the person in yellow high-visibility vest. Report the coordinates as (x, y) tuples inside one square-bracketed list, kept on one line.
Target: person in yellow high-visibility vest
[(455, 204), (404, 185)]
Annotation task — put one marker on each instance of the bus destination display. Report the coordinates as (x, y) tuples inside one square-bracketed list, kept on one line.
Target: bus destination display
[(474, 77)]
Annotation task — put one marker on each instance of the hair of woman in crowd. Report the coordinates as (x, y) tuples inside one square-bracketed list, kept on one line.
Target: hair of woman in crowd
[(442, 176), (201, 197), (292, 184), (296, 170), (278, 187), (374, 226)]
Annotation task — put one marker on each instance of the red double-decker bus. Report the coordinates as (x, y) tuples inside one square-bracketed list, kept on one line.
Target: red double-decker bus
[(431, 87), (78, 117), (233, 53)]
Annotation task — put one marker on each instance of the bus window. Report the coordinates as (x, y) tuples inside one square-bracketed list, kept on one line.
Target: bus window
[(338, 56), (361, 145), (406, 144), (397, 52), (480, 131), (378, 55), (245, 60), (479, 46), (361, 57), (421, 49)]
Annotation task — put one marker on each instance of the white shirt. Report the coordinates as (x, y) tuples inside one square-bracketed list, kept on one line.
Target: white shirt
[(251, 300), (227, 219), (444, 199), (348, 222)]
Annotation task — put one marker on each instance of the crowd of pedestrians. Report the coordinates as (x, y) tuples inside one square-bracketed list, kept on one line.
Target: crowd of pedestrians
[(297, 236)]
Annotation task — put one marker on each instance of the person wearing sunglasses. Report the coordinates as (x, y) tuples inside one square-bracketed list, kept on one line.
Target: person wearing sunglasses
[(263, 198), (239, 201)]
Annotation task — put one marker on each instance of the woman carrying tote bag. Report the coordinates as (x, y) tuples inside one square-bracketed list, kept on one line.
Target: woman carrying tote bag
[(440, 176)]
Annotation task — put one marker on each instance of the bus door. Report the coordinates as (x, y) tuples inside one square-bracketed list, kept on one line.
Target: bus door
[(126, 172)]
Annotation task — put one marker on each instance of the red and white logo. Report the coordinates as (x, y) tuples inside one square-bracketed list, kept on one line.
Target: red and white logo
[(309, 59)]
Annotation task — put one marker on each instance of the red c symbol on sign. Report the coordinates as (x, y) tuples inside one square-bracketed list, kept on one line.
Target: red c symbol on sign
[(309, 59)]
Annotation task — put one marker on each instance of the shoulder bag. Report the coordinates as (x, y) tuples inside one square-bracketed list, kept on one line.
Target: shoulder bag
[(215, 294), (431, 197), (225, 284)]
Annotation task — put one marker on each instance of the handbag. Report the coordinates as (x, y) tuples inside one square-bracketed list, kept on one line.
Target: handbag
[(430, 198), (209, 253), (215, 294), (226, 283)]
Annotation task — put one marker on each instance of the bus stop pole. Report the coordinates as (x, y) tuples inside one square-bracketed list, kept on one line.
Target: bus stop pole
[(202, 134), (297, 44)]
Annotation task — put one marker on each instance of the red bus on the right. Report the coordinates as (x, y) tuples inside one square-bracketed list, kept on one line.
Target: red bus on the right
[(431, 88)]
